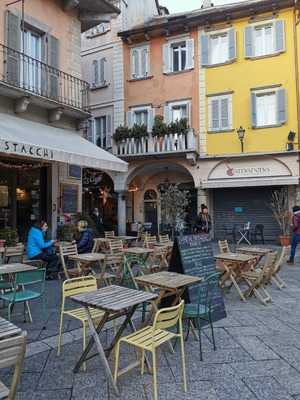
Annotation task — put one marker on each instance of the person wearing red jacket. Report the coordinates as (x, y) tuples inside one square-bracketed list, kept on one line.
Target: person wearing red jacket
[(296, 233)]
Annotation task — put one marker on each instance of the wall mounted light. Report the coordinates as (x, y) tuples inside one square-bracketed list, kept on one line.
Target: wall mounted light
[(241, 135)]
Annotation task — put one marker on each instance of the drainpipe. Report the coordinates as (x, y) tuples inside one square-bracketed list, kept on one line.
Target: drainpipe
[(295, 24)]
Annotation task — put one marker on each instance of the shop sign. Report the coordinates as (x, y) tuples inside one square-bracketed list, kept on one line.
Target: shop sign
[(249, 169), (26, 150)]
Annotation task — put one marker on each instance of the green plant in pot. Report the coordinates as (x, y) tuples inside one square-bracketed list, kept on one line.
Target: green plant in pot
[(280, 210), (159, 128), (9, 236), (121, 133), (139, 131)]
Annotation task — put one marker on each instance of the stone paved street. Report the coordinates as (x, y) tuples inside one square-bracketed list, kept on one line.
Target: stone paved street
[(257, 357)]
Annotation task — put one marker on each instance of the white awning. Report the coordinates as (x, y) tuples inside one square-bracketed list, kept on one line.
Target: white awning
[(25, 138)]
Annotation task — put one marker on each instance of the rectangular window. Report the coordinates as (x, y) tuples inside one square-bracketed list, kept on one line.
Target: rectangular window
[(101, 131), (219, 49), (179, 56), (140, 117), (140, 62), (220, 113), (30, 68), (179, 112), (264, 40), (266, 109)]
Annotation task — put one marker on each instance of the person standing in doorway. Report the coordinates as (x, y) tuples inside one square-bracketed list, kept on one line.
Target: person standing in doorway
[(203, 223), (296, 233)]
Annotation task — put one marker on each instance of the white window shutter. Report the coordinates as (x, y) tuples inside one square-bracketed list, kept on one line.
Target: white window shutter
[(225, 113), (102, 63), (281, 106), (204, 50), (129, 119), (148, 62), (167, 114), (190, 53), (253, 110), (150, 119), (134, 56), (91, 130), (232, 44), (215, 114), (95, 73), (279, 36), (144, 67), (108, 132), (167, 58), (189, 113), (248, 36)]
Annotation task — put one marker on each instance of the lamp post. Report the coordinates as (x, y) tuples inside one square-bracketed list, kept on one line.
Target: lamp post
[(241, 135)]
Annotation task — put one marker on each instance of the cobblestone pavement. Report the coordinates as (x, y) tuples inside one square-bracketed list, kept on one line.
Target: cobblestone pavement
[(257, 357)]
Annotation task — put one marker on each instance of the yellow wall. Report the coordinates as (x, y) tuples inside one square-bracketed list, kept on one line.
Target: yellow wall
[(245, 74)]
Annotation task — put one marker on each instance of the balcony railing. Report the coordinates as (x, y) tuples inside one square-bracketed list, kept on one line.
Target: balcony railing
[(168, 144), (31, 75)]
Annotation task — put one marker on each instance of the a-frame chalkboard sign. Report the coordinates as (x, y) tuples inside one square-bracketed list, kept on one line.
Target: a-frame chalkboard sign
[(193, 255)]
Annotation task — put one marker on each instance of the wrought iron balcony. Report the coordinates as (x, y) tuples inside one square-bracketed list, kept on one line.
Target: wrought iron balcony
[(34, 77), (172, 144)]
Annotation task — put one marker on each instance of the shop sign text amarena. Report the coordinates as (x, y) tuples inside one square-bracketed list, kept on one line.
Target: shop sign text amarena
[(26, 150), (241, 172)]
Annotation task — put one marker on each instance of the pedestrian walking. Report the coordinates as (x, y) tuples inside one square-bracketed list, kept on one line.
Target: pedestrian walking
[(296, 233)]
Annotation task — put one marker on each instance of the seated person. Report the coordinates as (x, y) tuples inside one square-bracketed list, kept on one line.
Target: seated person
[(85, 242), (40, 249)]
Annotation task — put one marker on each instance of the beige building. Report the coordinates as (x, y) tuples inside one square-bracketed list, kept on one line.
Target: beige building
[(43, 104)]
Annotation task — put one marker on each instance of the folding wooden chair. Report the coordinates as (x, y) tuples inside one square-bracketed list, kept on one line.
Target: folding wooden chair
[(115, 246), (72, 287), (115, 264), (283, 256), (152, 337), (64, 253), (259, 278), (109, 234), (12, 352), (223, 246), (150, 241), (15, 252), (164, 239)]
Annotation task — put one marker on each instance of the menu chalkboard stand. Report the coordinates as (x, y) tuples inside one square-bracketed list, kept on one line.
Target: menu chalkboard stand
[(193, 255)]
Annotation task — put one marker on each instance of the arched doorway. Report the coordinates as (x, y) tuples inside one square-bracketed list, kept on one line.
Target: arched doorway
[(150, 210)]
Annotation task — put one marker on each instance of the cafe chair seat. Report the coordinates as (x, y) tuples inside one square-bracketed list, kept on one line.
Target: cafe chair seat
[(17, 297), (193, 310), (146, 338)]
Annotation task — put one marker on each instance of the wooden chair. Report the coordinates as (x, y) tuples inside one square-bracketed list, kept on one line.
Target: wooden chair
[(12, 352), (151, 337), (275, 278), (164, 239), (72, 287), (64, 253), (115, 264), (15, 252), (109, 234), (223, 246), (150, 241), (158, 260), (115, 246), (259, 278), (100, 246)]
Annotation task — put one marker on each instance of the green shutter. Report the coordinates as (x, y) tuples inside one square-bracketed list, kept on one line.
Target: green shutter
[(13, 43), (53, 62)]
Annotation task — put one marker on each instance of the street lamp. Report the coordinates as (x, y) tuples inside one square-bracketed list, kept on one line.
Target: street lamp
[(241, 135)]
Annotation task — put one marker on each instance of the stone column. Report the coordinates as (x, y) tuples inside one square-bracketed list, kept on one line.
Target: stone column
[(121, 213), (202, 198)]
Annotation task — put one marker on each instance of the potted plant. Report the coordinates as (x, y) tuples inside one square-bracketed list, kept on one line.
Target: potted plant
[(121, 133), (139, 131), (279, 207), (8, 236), (159, 128)]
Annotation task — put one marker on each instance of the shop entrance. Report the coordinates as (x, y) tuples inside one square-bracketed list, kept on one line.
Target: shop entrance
[(150, 209)]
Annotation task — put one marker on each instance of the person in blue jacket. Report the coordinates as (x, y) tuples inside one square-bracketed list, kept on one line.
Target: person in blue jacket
[(40, 249), (86, 240)]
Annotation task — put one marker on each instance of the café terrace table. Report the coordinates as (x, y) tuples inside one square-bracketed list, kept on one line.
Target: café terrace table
[(115, 301), (258, 252), (168, 284), (11, 269), (234, 264), (85, 259)]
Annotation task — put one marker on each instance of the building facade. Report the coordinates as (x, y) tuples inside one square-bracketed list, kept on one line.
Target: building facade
[(43, 101)]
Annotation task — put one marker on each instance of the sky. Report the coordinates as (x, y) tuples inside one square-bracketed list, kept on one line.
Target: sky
[(187, 5)]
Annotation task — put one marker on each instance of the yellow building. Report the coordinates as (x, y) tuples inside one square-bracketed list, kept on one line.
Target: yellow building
[(249, 101)]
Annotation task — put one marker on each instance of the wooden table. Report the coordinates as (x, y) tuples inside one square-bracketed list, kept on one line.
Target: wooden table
[(234, 264), (169, 284), (7, 329), (93, 258), (256, 251), (114, 301), (8, 269)]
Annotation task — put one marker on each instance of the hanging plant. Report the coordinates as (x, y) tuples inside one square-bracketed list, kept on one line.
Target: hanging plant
[(160, 128), (121, 133), (139, 131)]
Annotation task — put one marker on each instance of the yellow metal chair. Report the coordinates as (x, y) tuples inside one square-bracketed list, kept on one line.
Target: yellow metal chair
[(151, 337), (73, 287)]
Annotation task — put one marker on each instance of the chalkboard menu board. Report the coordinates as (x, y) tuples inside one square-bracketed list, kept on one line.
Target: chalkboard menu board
[(69, 198), (193, 255)]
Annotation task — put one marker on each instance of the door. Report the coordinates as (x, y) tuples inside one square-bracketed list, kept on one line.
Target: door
[(31, 67), (150, 209)]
